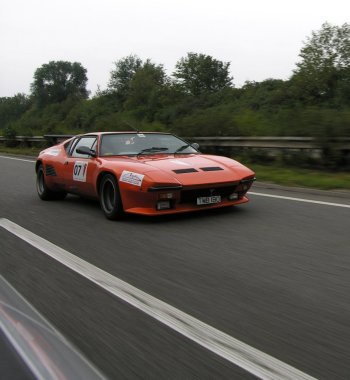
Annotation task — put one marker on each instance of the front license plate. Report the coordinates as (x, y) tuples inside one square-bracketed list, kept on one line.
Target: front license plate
[(208, 200)]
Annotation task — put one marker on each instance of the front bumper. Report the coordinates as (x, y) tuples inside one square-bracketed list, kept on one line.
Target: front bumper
[(184, 199)]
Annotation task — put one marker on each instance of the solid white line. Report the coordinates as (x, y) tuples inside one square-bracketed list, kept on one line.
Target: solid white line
[(300, 200), (252, 360), (17, 159)]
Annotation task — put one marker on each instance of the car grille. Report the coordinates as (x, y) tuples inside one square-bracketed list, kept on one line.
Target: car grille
[(190, 196), (50, 171)]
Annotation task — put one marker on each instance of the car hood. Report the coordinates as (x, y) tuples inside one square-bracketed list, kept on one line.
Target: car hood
[(194, 169)]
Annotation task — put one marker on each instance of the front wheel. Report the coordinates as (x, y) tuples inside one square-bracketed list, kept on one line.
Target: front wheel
[(43, 191), (110, 199)]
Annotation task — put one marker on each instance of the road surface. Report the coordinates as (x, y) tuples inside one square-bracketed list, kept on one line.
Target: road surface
[(272, 274)]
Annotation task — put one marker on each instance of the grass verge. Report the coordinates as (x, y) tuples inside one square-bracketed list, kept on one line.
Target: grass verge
[(21, 151), (290, 176)]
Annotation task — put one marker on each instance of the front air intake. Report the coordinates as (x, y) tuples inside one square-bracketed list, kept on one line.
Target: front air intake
[(50, 171)]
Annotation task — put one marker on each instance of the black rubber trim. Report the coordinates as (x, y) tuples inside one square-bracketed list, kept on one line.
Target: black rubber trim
[(248, 180), (164, 188)]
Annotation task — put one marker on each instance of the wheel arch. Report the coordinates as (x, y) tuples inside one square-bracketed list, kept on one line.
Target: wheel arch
[(37, 164), (101, 175)]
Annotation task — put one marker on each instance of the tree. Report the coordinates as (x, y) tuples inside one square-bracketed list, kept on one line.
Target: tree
[(122, 75), (325, 63), (12, 108), (199, 74), (269, 94), (56, 81), (145, 88)]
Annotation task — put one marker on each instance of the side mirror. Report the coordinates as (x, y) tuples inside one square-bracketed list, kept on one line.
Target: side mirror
[(86, 150), (195, 146)]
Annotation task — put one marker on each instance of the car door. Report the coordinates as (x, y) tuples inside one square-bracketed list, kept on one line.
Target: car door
[(80, 168)]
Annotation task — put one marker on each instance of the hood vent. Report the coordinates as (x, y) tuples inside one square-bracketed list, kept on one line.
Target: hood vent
[(182, 171), (211, 169)]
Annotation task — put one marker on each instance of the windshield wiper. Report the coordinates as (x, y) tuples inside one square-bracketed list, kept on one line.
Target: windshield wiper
[(153, 149), (183, 147)]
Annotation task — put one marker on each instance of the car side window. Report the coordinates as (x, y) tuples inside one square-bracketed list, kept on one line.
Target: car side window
[(89, 141)]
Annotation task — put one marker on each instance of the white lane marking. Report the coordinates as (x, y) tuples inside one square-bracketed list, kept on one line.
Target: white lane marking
[(300, 200), (17, 159), (252, 360)]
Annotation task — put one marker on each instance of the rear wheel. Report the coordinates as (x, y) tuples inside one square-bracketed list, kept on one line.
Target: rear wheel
[(110, 199), (43, 191)]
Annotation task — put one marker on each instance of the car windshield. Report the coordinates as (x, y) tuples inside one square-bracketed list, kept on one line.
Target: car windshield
[(142, 144)]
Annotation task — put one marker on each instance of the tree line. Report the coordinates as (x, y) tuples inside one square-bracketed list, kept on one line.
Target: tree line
[(198, 99)]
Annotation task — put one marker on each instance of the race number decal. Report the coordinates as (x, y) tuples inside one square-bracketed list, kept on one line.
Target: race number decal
[(79, 171), (132, 178)]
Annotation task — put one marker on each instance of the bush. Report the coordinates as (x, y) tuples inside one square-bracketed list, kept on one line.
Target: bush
[(10, 136)]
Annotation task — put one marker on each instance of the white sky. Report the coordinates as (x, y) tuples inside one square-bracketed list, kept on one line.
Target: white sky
[(261, 38)]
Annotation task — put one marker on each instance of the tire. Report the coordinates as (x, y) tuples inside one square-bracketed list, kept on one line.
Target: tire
[(110, 199), (43, 191)]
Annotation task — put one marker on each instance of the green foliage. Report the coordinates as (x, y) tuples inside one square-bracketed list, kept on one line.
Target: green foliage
[(323, 72), (200, 73), (56, 81), (12, 108), (204, 121), (10, 135), (145, 90), (269, 94), (122, 75), (290, 176), (199, 99)]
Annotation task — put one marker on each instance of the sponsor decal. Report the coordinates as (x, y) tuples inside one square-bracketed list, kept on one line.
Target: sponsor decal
[(130, 141), (79, 171), (178, 162), (132, 178)]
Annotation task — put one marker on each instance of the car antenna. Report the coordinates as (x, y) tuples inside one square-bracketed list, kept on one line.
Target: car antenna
[(132, 127)]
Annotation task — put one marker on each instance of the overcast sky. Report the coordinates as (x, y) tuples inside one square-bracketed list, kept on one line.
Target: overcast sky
[(261, 38)]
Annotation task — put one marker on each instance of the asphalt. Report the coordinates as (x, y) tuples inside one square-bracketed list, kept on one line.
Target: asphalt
[(273, 273)]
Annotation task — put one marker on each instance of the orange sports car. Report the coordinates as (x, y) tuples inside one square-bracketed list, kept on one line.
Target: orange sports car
[(142, 173)]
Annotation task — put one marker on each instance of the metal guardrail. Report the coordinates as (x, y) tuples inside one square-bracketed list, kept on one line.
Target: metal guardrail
[(54, 139), (50, 139), (224, 142), (271, 142), (23, 139)]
